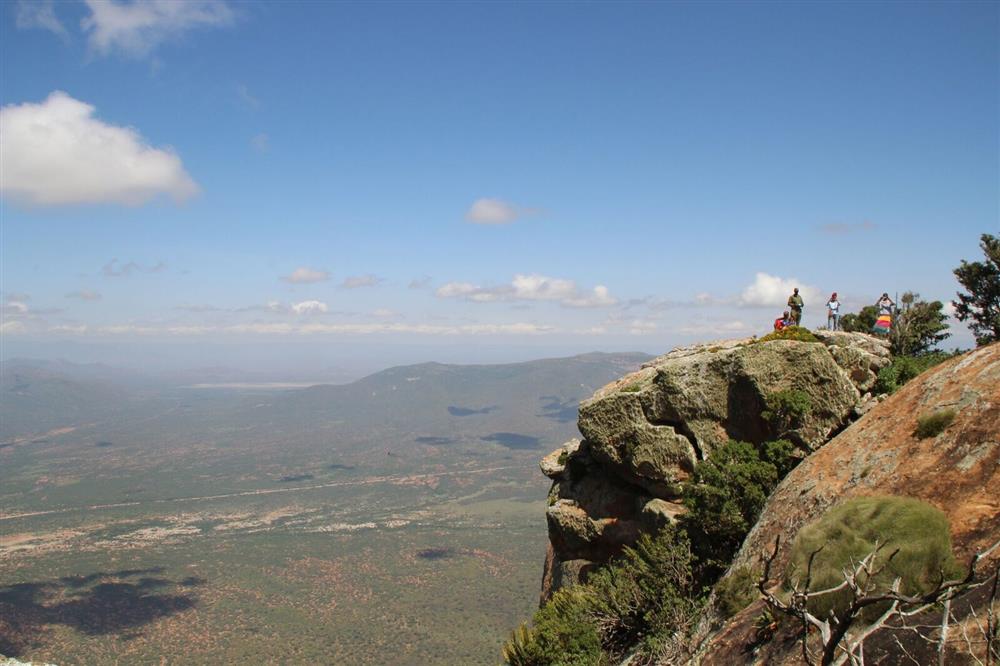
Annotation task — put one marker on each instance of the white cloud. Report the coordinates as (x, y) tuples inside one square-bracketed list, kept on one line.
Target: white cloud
[(15, 307), (57, 153), (306, 275), (599, 297), (773, 291), (39, 14), (309, 307), (85, 295), (465, 290), (12, 327), (359, 281), (383, 313), (136, 28), (530, 287), (540, 288), (494, 211)]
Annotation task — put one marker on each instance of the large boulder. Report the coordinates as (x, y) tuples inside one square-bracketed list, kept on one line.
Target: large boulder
[(653, 426), (645, 434)]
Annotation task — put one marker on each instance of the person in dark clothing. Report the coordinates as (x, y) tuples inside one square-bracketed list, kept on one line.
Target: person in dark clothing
[(795, 306)]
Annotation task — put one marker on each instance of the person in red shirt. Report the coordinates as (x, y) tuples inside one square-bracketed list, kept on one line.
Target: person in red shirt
[(783, 321)]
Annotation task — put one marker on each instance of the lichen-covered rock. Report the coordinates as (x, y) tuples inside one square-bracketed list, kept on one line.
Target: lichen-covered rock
[(860, 356), (652, 426), (591, 514), (554, 464), (645, 433), (657, 513)]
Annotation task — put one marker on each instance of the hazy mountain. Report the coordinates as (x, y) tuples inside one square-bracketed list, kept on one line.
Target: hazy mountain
[(515, 405), (37, 396)]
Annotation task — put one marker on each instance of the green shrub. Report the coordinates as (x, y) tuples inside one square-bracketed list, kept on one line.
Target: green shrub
[(563, 634), (849, 532), (632, 388), (727, 494), (646, 594), (799, 333), (904, 368), (787, 410), (638, 599), (782, 454), (737, 591), (933, 424)]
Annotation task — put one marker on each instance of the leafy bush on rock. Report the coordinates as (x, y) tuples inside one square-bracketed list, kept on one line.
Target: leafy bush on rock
[(798, 333)]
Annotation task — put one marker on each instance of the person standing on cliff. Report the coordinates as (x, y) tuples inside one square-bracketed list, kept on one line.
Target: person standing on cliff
[(885, 304), (833, 313), (795, 305)]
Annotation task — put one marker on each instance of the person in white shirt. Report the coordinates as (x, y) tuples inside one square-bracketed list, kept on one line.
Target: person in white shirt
[(833, 313), (885, 305)]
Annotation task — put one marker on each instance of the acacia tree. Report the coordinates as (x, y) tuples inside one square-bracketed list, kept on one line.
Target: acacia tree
[(981, 306)]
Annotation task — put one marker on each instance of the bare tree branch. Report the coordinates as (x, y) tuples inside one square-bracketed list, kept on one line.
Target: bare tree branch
[(840, 645)]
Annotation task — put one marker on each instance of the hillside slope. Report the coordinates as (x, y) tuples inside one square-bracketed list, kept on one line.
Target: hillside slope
[(957, 471)]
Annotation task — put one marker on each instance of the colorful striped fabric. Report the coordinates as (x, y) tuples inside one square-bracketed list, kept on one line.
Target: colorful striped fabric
[(883, 324)]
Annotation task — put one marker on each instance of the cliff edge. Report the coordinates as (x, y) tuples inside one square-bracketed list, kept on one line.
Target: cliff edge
[(644, 434)]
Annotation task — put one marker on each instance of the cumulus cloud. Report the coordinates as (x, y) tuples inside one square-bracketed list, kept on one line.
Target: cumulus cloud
[(598, 297), (57, 153), (359, 281), (773, 291), (530, 287), (114, 268), (495, 211), (309, 307), (13, 326), (85, 295), (306, 275), (39, 14), (136, 28), (15, 307)]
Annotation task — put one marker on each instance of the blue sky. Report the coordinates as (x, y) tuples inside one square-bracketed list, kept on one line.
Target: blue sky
[(374, 183)]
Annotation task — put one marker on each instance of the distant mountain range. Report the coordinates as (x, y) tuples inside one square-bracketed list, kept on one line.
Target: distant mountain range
[(516, 405)]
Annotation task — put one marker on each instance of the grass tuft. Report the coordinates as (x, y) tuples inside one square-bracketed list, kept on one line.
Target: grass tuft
[(915, 530), (799, 333), (933, 424)]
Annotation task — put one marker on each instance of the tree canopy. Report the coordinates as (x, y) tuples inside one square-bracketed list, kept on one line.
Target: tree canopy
[(917, 326), (980, 308)]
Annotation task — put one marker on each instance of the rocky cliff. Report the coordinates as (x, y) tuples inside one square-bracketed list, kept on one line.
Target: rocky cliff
[(644, 435), (957, 471)]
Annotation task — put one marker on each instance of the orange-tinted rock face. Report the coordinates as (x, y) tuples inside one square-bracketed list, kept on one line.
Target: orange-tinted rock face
[(957, 471)]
